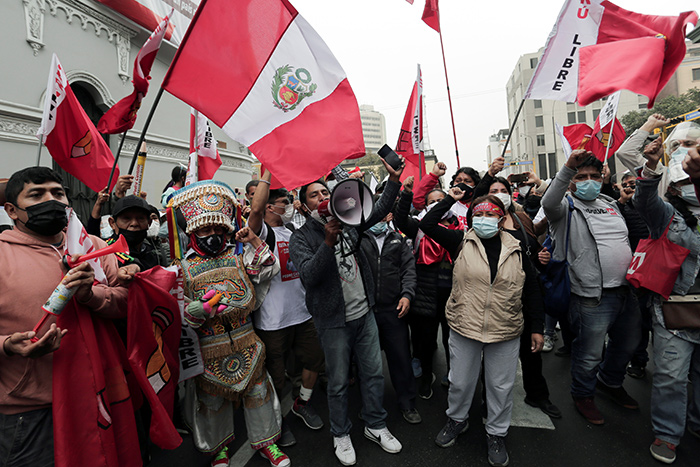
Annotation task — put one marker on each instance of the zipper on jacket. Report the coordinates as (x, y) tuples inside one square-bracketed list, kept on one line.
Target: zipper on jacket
[(487, 313)]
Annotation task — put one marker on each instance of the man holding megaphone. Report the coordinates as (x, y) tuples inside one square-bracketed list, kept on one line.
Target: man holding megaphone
[(340, 293)]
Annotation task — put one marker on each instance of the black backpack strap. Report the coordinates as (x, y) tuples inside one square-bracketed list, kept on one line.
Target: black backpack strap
[(270, 239)]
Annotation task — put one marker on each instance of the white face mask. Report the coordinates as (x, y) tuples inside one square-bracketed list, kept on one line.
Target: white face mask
[(505, 199), (288, 213), (524, 190), (153, 229)]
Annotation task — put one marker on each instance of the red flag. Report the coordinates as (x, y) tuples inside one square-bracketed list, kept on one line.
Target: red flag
[(93, 414), (268, 80), (122, 115), (410, 144), (144, 14), (582, 136), (431, 14), (70, 136), (578, 136), (209, 159), (153, 338)]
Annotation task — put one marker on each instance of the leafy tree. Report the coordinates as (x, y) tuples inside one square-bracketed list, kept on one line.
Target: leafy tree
[(669, 107)]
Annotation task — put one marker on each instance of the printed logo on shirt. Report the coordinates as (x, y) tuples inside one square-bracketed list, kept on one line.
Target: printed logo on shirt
[(347, 268), (610, 211), (288, 272)]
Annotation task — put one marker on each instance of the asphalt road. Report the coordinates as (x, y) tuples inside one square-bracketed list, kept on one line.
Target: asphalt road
[(621, 442)]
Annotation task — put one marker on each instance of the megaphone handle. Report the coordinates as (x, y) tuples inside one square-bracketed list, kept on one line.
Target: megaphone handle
[(38, 326)]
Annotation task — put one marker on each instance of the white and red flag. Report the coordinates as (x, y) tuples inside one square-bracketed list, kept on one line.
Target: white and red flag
[(410, 144), (204, 156), (431, 14), (122, 115), (268, 80), (597, 48), (70, 136)]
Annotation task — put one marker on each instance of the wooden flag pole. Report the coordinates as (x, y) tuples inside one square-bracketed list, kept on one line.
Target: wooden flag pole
[(512, 126), (145, 129), (116, 158), (449, 97)]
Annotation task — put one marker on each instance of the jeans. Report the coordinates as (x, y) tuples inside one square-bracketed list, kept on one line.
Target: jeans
[(26, 439), (616, 315), (640, 356), (393, 337), (674, 359), (361, 338)]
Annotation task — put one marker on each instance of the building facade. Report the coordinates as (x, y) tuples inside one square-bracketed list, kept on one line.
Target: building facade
[(373, 128), (97, 47)]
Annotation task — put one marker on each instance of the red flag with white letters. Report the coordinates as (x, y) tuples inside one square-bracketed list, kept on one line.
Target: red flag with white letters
[(208, 158), (70, 136), (410, 144)]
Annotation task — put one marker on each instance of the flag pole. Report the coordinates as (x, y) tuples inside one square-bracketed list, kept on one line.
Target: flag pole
[(607, 147), (145, 129), (38, 152), (116, 158), (512, 126), (449, 97)]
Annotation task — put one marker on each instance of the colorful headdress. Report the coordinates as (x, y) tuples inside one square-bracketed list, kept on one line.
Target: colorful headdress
[(206, 203)]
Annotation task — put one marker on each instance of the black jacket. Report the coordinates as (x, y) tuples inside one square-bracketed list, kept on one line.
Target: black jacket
[(394, 270)]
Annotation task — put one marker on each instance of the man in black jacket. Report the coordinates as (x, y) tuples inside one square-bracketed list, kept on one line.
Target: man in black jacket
[(339, 295), (394, 271)]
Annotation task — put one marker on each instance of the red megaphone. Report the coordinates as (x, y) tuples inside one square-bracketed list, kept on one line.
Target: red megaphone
[(120, 246), (324, 208)]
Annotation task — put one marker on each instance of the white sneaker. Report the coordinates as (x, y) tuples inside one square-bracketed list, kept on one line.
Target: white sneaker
[(384, 438), (548, 344), (344, 450)]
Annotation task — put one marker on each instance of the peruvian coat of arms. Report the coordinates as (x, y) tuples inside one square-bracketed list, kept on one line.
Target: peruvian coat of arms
[(290, 87)]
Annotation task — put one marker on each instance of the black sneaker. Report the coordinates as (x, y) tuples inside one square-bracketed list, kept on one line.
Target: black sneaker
[(287, 438), (498, 455), (636, 370), (618, 395), (546, 406), (411, 416), (425, 389), (306, 412), (448, 434)]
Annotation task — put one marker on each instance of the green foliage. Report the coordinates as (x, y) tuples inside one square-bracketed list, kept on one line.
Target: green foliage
[(669, 107)]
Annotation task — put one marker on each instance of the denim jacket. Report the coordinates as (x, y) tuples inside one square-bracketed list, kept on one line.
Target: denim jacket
[(657, 214)]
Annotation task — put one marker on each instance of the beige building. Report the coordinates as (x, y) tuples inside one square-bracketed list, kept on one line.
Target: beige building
[(687, 76), (373, 128), (534, 144)]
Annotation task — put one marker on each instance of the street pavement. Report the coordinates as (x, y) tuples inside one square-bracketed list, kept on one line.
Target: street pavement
[(534, 440)]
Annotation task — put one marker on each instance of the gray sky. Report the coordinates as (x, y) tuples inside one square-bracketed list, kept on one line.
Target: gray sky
[(379, 42)]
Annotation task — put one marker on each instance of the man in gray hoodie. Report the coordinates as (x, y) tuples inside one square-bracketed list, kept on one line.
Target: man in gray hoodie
[(602, 302)]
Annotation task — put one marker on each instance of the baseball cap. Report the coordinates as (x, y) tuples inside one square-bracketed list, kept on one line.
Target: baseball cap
[(129, 202)]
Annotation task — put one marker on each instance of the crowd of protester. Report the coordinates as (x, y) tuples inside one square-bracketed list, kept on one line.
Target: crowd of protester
[(276, 290)]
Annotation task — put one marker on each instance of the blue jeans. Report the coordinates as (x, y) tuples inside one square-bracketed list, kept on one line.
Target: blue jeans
[(674, 359), (26, 439), (616, 315), (360, 338)]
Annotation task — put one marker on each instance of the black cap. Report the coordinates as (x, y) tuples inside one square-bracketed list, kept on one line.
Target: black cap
[(129, 202)]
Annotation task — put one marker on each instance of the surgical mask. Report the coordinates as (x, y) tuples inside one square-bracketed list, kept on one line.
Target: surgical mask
[(524, 190), (679, 154), (688, 195), (315, 215), (587, 190), (505, 199), (379, 228), (47, 218), (288, 213), (210, 245), (153, 229), (133, 238), (485, 227)]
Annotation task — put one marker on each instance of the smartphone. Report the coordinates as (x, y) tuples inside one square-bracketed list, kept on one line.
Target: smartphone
[(391, 158), (518, 178)]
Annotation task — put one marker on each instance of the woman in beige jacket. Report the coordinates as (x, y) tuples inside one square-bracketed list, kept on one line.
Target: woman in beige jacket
[(493, 285)]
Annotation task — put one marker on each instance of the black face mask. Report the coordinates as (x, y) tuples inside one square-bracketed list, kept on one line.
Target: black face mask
[(468, 190), (133, 238), (47, 218), (211, 244)]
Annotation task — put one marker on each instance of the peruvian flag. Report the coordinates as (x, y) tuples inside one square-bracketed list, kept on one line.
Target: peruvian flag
[(122, 115), (268, 80), (597, 48), (410, 144), (431, 14), (70, 136), (153, 339), (204, 157)]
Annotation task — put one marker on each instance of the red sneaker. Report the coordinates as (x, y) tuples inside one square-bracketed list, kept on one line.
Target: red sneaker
[(221, 459), (276, 457), (586, 407)]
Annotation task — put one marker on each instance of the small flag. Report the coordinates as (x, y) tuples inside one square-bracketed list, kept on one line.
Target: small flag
[(410, 144), (431, 14)]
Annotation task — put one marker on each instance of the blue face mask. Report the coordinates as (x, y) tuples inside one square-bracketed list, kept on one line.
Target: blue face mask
[(485, 227), (379, 228), (688, 195), (588, 190), (679, 154)]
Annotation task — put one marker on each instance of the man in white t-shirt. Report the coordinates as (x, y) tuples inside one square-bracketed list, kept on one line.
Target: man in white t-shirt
[(282, 321)]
